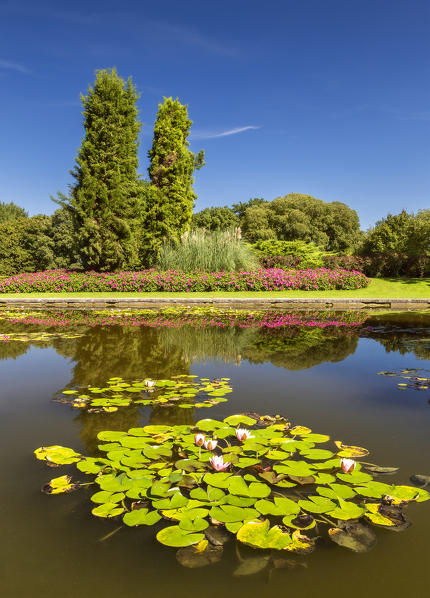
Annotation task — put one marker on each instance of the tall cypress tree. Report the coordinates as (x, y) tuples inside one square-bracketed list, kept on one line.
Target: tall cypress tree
[(106, 200), (171, 197)]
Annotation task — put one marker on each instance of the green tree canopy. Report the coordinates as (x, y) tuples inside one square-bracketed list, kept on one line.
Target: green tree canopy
[(400, 233), (239, 208), (331, 225), (26, 245), (10, 211), (215, 219), (172, 164), (106, 199)]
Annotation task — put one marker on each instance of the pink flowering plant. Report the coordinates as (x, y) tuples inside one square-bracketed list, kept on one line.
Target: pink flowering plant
[(273, 279)]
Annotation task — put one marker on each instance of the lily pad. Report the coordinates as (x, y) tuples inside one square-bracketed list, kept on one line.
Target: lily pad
[(176, 537), (259, 534)]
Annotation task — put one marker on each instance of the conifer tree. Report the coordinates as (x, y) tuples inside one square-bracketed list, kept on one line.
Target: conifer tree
[(106, 199), (171, 196)]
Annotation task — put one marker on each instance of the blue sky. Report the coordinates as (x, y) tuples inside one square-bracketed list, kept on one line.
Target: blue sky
[(326, 98)]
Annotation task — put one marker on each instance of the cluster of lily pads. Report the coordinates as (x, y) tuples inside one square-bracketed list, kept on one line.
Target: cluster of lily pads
[(32, 337), (415, 379), (256, 478), (185, 391)]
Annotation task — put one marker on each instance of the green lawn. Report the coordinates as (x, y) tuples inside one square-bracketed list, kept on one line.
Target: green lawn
[(381, 288)]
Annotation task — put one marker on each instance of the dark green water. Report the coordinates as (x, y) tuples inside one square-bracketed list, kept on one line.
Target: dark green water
[(51, 545)]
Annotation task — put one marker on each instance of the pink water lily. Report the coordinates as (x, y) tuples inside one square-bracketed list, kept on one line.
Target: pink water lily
[(242, 434), (218, 463), (199, 439), (348, 465), (210, 444)]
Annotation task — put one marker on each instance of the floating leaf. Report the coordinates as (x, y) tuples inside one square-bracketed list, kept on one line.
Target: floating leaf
[(317, 504), (60, 485), (176, 537), (350, 451), (141, 517), (239, 420), (279, 507), (108, 510), (347, 510), (259, 534)]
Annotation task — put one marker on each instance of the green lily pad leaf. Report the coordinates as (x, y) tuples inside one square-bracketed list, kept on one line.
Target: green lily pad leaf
[(240, 501), (279, 507), (58, 455), (301, 544), (210, 494), (110, 436), (134, 442), (327, 465), (275, 455), (159, 488), (218, 480), (60, 485), (324, 478), (193, 525), (347, 510), (317, 454), (238, 486), (103, 496), (159, 429), (408, 493), (336, 491), (141, 517), (246, 462), (300, 522), (233, 526), (350, 452), (356, 537), (317, 438), (317, 504), (175, 502), (113, 483), (295, 468), (355, 477), (239, 420), (208, 425), (230, 513), (176, 537), (373, 489), (188, 464), (91, 465), (108, 510), (259, 534)]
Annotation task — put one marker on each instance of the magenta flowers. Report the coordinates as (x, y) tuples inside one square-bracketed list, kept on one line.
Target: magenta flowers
[(272, 279)]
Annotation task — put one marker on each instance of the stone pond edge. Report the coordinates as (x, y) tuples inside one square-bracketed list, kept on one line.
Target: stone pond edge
[(237, 302)]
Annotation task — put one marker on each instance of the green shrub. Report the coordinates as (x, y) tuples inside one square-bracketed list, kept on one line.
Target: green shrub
[(310, 256), (208, 251)]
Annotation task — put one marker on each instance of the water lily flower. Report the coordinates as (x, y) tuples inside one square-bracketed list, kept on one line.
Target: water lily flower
[(218, 463), (348, 465), (149, 383), (199, 439), (242, 434), (210, 444)]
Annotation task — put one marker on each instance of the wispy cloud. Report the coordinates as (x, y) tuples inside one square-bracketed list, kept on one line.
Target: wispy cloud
[(213, 135), (9, 65)]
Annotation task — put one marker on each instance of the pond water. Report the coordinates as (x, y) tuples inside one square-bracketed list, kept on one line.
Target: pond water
[(321, 377)]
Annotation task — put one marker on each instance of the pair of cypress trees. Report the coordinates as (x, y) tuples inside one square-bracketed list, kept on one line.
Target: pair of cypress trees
[(120, 220)]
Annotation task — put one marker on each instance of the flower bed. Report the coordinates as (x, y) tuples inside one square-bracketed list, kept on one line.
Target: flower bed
[(61, 281)]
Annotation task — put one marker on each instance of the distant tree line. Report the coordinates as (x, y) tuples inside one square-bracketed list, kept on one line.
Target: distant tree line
[(113, 219)]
